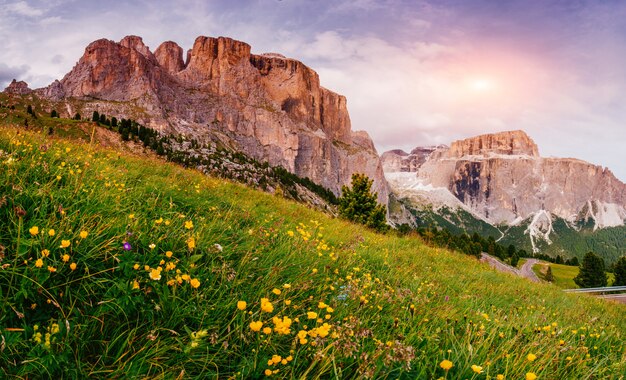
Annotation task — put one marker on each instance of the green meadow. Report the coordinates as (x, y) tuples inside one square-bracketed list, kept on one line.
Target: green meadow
[(118, 265)]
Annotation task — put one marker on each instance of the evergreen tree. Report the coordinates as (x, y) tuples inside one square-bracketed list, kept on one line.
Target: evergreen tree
[(113, 121), (591, 273), (549, 277), (510, 251), (620, 272), (360, 205), (77, 116), (95, 117), (54, 113), (514, 260), (103, 119), (29, 109)]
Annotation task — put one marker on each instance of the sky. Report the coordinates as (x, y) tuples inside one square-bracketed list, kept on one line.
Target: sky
[(415, 72)]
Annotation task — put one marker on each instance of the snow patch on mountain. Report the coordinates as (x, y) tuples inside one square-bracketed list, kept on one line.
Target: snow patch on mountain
[(605, 214), (421, 192), (539, 228)]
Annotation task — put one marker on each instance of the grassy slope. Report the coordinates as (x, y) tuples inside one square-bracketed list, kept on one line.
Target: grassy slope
[(100, 325), (563, 274)]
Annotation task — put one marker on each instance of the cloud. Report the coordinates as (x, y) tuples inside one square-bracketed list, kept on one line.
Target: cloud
[(22, 8), (8, 73), (404, 66)]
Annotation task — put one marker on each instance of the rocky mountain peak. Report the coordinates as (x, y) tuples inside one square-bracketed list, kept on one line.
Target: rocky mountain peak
[(170, 57), (269, 107), (18, 88), (136, 43), (502, 143)]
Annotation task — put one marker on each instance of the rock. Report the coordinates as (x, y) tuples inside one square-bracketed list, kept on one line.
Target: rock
[(398, 160), (507, 143), (502, 179), (270, 107), (53, 92), (136, 43), (170, 57), (17, 88)]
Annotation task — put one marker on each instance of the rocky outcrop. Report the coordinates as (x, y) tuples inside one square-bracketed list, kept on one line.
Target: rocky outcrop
[(270, 107), (398, 160), (170, 57), (17, 88), (506, 143), (502, 179)]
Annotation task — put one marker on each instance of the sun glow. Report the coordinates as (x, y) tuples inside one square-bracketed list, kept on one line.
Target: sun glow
[(481, 85)]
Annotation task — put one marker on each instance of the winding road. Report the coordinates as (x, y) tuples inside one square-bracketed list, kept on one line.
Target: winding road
[(526, 271)]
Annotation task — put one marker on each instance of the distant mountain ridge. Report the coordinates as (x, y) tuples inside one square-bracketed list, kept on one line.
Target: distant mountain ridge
[(501, 179), (267, 106)]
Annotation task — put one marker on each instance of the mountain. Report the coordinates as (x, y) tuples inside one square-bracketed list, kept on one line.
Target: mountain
[(267, 106), (501, 179)]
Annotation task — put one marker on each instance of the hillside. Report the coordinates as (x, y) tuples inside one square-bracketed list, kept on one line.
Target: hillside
[(120, 265)]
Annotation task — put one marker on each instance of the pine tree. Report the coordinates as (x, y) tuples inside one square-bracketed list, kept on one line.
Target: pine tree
[(54, 113), (549, 277), (620, 272), (95, 117), (360, 205), (591, 273), (29, 109), (514, 260), (77, 116)]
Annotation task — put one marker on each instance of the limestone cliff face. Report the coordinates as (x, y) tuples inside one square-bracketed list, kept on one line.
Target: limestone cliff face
[(508, 143), (398, 160), (502, 179), (267, 106)]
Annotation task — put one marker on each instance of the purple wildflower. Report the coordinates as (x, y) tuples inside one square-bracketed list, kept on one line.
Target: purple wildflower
[(127, 246)]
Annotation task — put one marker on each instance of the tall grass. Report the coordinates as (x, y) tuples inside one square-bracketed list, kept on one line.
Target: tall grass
[(163, 256)]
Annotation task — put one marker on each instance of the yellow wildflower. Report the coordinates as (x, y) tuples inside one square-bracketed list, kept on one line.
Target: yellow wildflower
[(256, 326), (65, 243), (266, 305), (311, 315), (34, 230), (51, 232), (45, 253), (276, 291), (168, 254), (51, 269), (83, 234), (135, 284), (195, 283), (65, 258), (477, 368), (322, 305), (191, 243), (189, 224), (73, 266), (531, 357), (241, 305), (267, 330), (530, 376), (155, 274), (39, 263)]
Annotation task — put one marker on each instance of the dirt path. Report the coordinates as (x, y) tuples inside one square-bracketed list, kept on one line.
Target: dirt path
[(526, 270)]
